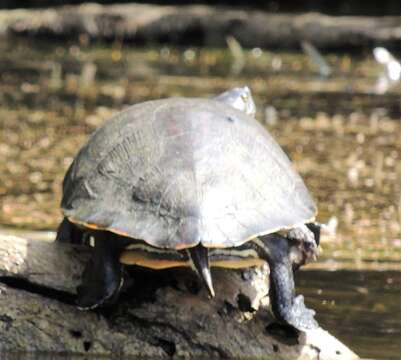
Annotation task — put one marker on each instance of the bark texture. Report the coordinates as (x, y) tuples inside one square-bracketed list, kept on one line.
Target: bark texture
[(162, 314), (202, 25)]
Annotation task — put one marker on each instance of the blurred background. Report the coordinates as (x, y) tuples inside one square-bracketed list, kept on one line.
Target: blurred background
[(325, 79)]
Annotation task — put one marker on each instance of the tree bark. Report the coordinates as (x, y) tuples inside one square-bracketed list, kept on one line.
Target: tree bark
[(202, 25), (160, 315)]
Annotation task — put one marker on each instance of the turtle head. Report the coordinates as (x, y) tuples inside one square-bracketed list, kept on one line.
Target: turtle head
[(240, 99)]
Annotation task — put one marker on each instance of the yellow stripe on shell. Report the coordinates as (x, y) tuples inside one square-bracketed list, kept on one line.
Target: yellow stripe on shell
[(145, 260), (141, 258)]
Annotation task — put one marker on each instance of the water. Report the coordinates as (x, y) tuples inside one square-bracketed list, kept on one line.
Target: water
[(361, 308), (343, 137)]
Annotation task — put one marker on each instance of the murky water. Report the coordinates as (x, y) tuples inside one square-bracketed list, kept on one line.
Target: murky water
[(362, 308), (343, 137)]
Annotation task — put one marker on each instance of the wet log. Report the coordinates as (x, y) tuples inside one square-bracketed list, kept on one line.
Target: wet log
[(172, 318), (201, 25)]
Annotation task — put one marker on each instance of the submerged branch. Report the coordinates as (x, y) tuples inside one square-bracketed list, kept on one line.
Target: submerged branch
[(201, 25)]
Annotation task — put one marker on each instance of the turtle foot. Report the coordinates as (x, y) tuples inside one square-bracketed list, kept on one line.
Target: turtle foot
[(102, 281), (89, 299), (299, 316)]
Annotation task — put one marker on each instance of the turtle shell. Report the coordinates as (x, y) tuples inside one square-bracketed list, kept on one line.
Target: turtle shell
[(178, 172)]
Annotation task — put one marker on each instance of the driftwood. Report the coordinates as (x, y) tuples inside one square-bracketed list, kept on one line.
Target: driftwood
[(201, 25), (38, 280)]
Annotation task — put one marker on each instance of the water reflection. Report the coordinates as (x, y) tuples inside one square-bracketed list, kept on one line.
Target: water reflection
[(361, 308)]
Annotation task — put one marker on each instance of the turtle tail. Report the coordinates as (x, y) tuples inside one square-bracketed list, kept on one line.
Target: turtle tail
[(200, 258)]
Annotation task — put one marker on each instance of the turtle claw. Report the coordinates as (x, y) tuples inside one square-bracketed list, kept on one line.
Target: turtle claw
[(299, 316)]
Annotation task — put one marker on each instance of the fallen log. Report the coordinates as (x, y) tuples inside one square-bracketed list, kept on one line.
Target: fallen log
[(202, 26), (164, 315)]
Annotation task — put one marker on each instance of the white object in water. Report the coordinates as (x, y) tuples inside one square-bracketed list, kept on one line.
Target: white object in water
[(330, 228), (393, 66), (271, 115), (237, 53), (317, 58), (383, 84)]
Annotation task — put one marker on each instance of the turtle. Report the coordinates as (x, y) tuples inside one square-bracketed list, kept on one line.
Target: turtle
[(190, 182)]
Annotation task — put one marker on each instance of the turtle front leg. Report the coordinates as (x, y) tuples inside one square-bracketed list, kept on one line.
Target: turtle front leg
[(102, 278), (287, 308)]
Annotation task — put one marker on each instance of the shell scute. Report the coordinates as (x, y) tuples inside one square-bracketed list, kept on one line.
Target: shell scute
[(176, 173)]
